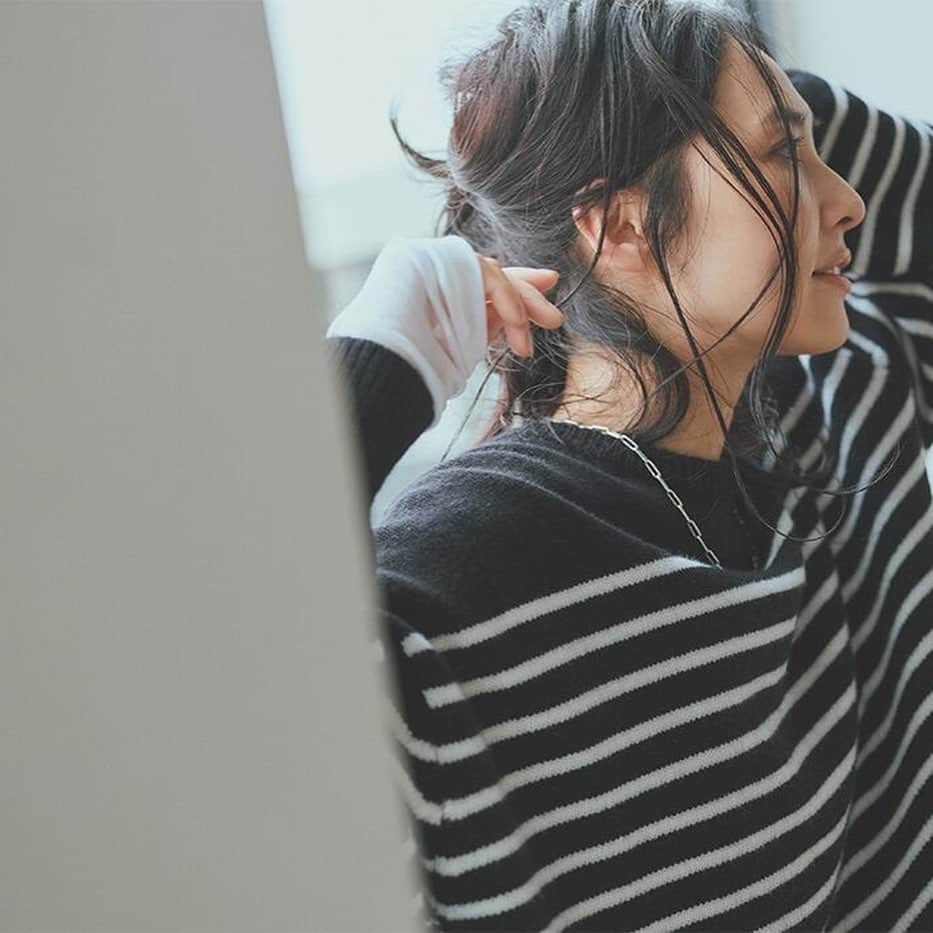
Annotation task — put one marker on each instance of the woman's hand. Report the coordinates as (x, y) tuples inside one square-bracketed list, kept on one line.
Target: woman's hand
[(423, 300), (514, 300)]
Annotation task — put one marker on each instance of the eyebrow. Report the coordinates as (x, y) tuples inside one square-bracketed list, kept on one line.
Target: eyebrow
[(794, 117)]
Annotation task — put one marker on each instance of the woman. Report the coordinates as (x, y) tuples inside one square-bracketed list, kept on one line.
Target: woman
[(663, 636)]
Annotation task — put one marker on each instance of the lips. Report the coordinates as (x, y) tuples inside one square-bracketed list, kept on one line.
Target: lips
[(839, 281)]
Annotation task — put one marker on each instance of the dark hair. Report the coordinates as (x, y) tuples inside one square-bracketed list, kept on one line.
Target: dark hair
[(575, 90)]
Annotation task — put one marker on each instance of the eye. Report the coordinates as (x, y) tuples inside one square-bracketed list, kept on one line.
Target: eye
[(794, 141)]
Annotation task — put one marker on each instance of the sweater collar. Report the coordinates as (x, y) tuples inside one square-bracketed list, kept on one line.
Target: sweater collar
[(707, 488), (690, 473)]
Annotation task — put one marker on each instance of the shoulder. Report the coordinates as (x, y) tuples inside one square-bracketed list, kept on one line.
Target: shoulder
[(491, 528), (492, 488), (479, 495), (450, 548)]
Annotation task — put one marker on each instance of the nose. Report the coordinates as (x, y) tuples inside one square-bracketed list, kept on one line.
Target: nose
[(848, 205)]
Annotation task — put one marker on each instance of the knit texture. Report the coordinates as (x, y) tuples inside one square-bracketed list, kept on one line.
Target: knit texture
[(596, 728)]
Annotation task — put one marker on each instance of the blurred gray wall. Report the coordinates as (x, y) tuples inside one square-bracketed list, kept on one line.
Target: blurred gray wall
[(190, 708)]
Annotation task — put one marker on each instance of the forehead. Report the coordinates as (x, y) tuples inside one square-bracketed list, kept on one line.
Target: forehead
[(742, 97)]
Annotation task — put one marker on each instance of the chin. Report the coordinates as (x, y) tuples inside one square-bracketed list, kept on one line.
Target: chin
[(824, 327)]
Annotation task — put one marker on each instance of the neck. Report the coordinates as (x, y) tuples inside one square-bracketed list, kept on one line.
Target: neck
[(590, 398)]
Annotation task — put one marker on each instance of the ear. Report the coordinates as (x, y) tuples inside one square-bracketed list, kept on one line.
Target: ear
[(624, 244)]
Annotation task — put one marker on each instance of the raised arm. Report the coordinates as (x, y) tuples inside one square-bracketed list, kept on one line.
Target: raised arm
[(405, 345), (410, 339), (391, 404), (408, 342), (887, 159)]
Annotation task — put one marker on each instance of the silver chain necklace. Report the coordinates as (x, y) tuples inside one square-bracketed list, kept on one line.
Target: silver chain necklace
[(656, 473)]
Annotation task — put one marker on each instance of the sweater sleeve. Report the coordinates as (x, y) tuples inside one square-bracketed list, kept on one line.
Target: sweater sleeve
[(438, 751), (442, 766), (440, 562), (390, 402), (887, 159)]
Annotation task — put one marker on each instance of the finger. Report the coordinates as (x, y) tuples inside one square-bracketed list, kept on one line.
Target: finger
[(542, 279), (508, 304), (538, 308), (502, 293)]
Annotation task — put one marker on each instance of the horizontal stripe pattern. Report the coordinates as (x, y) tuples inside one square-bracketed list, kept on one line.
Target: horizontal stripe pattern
[(593, 732)]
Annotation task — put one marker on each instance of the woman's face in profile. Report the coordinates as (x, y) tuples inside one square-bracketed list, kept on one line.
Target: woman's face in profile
[(732, 254), (728, 252)]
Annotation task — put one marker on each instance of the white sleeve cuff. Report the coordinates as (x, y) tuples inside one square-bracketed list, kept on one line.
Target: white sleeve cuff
[(424, 300)]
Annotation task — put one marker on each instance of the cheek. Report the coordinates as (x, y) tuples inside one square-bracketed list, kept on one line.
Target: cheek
[(806, 229), (756, 242), (736, 251), (752, 238), (741, 265)]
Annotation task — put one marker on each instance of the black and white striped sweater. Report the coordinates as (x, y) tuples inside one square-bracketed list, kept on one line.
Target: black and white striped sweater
[(600, 730)]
